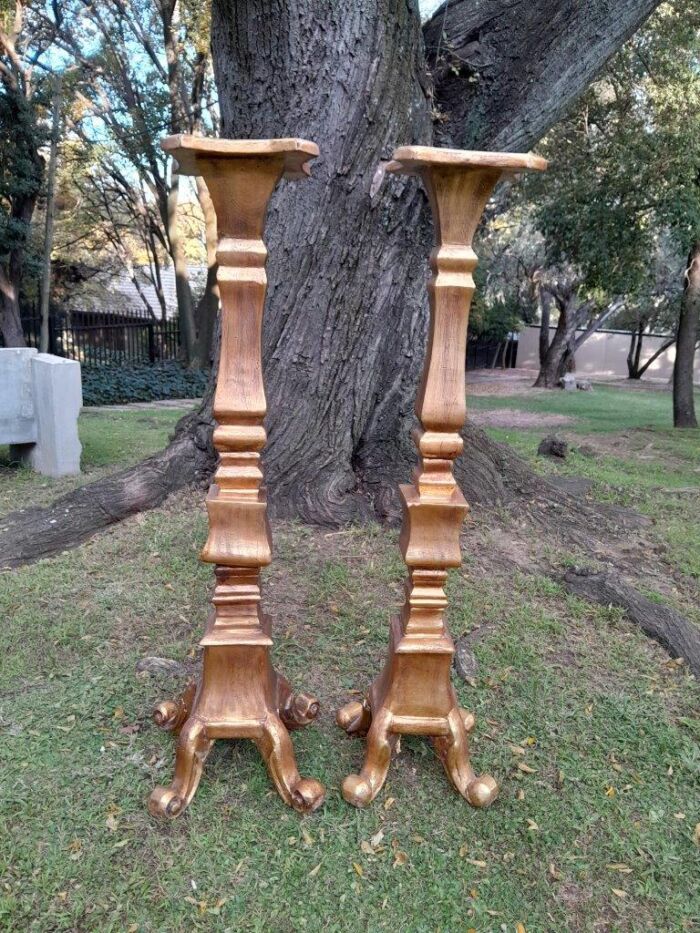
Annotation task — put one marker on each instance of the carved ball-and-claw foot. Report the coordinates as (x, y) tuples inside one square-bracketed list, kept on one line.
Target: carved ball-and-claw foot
[(172, 714), (355, 717), (165, 802), (308, 795), (299, 710), (482, 791)]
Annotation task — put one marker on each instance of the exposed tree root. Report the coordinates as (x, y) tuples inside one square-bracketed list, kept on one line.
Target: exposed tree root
[(30, 534), (666, 625)]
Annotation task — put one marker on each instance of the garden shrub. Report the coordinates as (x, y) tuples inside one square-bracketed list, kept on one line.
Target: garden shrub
[(141, 382)]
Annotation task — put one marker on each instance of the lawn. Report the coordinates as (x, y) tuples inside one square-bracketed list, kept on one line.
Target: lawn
[(591, 730), (110, 439)]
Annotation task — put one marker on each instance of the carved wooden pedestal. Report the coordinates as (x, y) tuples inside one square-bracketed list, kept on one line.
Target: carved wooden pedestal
[(413, 694), (240, 694)]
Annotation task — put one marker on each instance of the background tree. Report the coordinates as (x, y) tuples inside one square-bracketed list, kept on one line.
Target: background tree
[(511, 255), (626, 173), (146, 72), (23, 46)]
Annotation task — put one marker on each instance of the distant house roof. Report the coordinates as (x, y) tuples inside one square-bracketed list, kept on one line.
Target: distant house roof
[(119, 295)]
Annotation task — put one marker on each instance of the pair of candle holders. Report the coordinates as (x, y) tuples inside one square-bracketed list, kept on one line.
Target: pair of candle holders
[(240, 694)]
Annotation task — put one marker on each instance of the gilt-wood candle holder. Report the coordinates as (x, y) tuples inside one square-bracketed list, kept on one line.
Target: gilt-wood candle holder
[(240, 695), (413, 695)]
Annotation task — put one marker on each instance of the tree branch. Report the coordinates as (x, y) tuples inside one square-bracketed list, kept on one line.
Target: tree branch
[(510, 69)]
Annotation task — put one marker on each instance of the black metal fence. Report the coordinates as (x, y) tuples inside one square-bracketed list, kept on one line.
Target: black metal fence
[(489, 353), (103, 339)]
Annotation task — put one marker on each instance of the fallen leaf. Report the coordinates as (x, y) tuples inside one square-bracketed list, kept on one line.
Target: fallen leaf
[(610, 791), (400, 859), (618, 892), (389, 803), (476, 862), (314, 871), (463, 850), (520, 795), (554, 872), (118, 713), (120, 845), (112, 823), (532, 825), (517, 749), (696, 834), (521, 766), (520, 928), (307, 837), (619, 866), (358, 869), (366, 847), (376, 839)]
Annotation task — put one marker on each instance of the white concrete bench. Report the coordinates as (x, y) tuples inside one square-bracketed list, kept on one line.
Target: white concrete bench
[(40, 400)]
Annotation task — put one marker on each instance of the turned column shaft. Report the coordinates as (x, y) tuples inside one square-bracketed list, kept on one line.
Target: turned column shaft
[(434, 507), (239, 541)]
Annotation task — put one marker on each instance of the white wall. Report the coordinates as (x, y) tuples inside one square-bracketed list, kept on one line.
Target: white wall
[(604, 354)]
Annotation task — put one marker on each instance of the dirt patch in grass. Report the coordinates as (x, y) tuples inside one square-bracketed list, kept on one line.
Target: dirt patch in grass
[(513, 418)]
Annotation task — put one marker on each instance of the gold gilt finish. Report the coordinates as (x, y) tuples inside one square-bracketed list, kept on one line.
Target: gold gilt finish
[(413, 694), (240, 695)]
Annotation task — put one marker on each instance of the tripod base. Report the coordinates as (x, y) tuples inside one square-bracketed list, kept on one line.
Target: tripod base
[(240, 696), (413, 696)]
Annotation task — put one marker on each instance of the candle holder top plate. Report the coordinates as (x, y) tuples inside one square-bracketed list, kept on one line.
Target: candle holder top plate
[(188, 150), (409, 160)]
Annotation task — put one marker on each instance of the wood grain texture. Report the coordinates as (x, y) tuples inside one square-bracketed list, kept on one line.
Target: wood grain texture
[(414, 693), (240, 694)]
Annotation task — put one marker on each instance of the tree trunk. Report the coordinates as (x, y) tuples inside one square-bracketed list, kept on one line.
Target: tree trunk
[(50, 212), (688, 325), (559, 350), (208, 306), (10, 319), (545, 302), (185, 309), (635, 352)]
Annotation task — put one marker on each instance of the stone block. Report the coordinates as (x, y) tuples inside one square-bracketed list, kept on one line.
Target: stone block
[(58, 398), (17, 419)]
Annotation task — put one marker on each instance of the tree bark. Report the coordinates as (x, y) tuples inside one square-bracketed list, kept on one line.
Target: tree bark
[(558, 351), (208, 306), (634, 353), (688, 324), (50, 213), (545, 302), (10, 320), (507, 70)]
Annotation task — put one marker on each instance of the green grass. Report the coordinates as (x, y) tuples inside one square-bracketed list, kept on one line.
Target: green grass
[(110, 439), (599, 835), (605, 409), (645, 464)]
